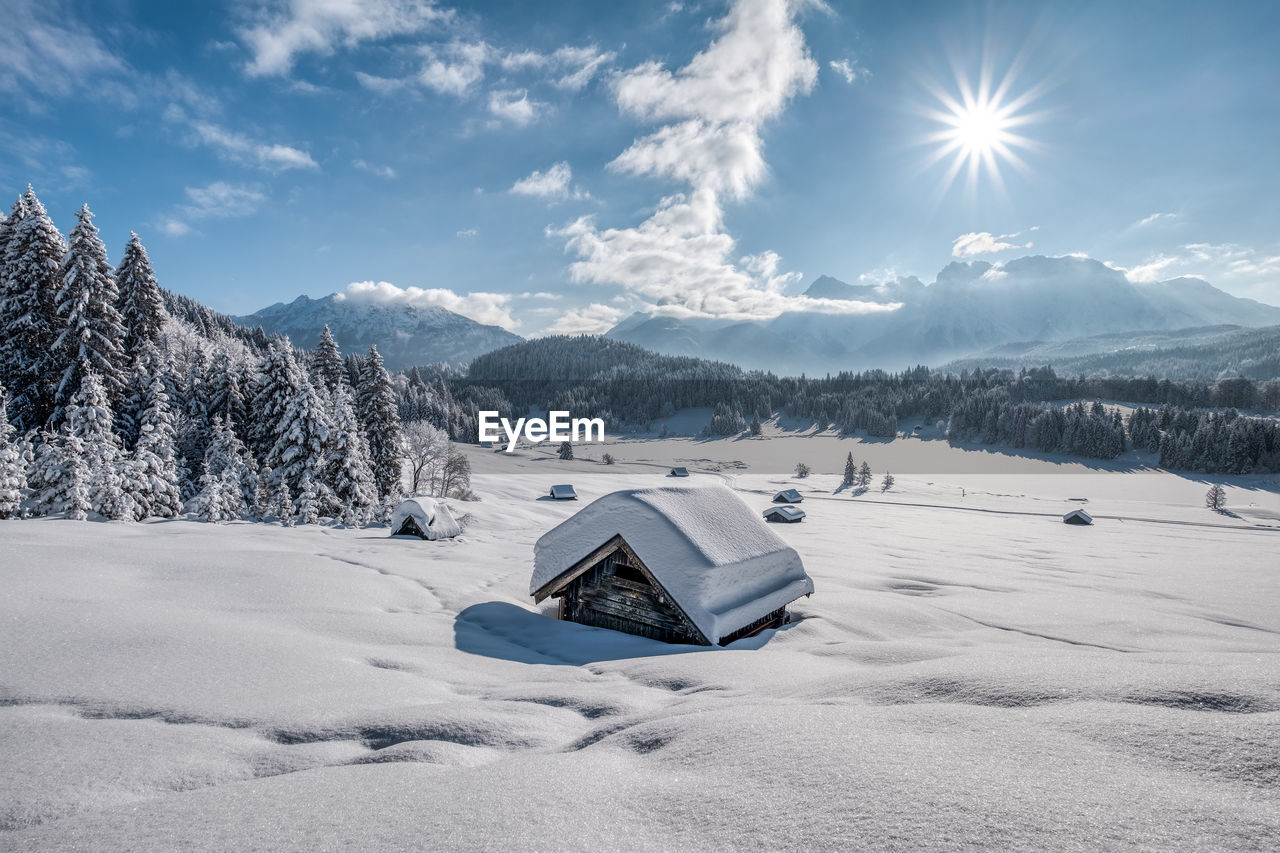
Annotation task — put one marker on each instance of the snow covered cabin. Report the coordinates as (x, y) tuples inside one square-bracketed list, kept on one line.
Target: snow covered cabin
[(1077, 516), (682, 564), (784, 514), (563, 493), (788, 496), (425, 518), (679, 472)]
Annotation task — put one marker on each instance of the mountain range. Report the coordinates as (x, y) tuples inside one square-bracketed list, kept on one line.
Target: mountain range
[(969, 308), (406, 335)]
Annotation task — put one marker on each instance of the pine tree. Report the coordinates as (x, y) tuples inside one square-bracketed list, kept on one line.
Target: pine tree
[(301, 444), (276, 383), (349, 470), (92, 330), (156, 480), (141, 302), (850, 471), (307, 504), (376, 406), (756, 428), (284, 504), (225, 480), (13, 474), (887, 483), (8, 349), (327, 370), (28, 311), (566, 450), (61, 471), (90, 419), (225, 394), (864, 475)]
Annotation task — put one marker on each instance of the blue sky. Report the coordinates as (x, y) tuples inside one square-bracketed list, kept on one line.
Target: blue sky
[(555, 166)]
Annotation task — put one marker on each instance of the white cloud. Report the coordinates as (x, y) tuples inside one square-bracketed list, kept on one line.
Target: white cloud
[(680, 260), (468, 233), (220, 199), (238, 147), (983, 243), (594, 319), (489, 308), (513, 105), (174, 227), (289, 29), (45, 52), (712, 111), (380, 85), (1155, 217), (455, 68), (851, 71), (554, 183), (381, 171), (1147, 272)]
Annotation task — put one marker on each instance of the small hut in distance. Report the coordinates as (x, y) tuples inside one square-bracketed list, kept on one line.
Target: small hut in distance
[(563, 493), (1077, 516), (425, 518), (679, 471), (788, 496), (681, 564), (784, 514)]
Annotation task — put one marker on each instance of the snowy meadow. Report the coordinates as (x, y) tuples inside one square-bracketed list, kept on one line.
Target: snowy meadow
[(969, 672)]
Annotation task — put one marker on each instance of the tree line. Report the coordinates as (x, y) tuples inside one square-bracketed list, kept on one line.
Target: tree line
[(119, 400)]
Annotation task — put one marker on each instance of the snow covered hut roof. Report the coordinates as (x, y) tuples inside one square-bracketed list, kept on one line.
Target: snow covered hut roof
[(786, 513), (788, 496), (708, 549), (680, 471), (1077, 516), (563, 493), (432, 519)]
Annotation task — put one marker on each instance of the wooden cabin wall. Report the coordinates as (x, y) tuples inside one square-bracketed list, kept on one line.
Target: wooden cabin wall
[(602, 598)]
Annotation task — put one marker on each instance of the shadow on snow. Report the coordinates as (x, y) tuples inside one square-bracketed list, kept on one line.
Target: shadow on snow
[(506, 631)]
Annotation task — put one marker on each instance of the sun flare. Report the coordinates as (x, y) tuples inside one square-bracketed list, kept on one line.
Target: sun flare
[(977, 129)]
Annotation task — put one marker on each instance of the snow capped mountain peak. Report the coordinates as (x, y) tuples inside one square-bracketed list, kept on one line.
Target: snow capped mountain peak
[(405, 334)]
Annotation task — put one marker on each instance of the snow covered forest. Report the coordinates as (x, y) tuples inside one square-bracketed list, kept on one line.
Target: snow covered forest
[(114, 405), (1194, 425)]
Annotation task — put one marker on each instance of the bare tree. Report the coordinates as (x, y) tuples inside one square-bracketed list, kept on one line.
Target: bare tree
[(607, 459), (1216, 498), (425, 450), (455, 476), (802, 470)]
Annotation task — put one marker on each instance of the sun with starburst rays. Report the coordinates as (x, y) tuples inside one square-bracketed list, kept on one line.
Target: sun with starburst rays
[(977, 131)]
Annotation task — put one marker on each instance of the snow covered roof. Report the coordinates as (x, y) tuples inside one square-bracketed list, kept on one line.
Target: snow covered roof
[(718, 560), (432, 518), (788, 496), (787, 513), (680, 471), (563, 493), (1078, 516)]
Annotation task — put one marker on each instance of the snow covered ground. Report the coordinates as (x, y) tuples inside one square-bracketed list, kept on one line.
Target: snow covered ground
[(970, 672)]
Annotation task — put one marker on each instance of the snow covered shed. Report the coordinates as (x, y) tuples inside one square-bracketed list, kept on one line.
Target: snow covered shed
[(425, 518), (682, 564), (788, 496), (1077, 516), (784, 514), (679, 471), (563, 493)]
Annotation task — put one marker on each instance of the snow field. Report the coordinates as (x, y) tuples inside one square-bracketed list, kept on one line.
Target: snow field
[(964, 676)]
